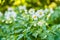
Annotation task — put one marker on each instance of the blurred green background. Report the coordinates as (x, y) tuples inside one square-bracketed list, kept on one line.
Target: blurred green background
[(37, 4)]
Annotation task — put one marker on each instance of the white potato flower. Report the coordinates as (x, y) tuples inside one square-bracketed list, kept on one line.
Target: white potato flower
[(22, 7), (34, 16), (9, 15), (40, 23), (40, 13), (13, 14), (31, 11)]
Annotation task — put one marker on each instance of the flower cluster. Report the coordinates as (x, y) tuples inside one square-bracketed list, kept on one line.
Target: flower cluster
[(35, 15), (9, 15)]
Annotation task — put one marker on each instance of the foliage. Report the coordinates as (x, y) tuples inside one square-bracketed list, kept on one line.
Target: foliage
[(23, 24)]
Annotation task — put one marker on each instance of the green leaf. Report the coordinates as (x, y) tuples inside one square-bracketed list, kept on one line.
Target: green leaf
[(18, 30), (28, 38), (35, 34), (20, 36), (50, 36)]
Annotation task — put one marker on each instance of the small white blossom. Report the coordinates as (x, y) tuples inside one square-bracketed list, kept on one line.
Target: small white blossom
[(22, 7), (31, 11), (9, 14), (13, 14), (40, 23), (34, 16), (40, 13)]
